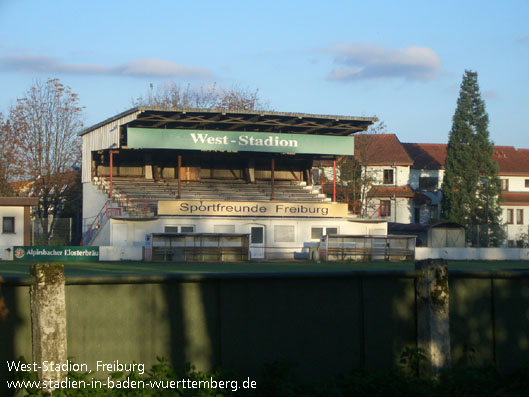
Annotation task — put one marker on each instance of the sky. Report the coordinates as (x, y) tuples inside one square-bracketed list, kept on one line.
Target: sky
[(400, 61)]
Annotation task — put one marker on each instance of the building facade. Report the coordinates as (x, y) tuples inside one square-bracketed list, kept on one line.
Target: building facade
[(15, 213), (406, 179)]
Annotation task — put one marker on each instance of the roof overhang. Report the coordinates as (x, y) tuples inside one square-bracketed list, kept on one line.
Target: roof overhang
[(250, 121), (18, 201)]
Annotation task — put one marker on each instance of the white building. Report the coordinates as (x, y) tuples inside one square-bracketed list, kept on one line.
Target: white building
[(407, 180), (426, 179), (15, 213), (513, 172)]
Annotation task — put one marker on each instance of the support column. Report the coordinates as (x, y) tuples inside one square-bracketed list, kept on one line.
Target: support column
[(433, 325), (112, 153), (273, 166), (334, 181), (251, 171), (147, 159), (179, 173), (48, 319)]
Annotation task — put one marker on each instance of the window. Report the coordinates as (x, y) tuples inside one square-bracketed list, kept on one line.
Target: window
[(284, 234), (519, 217), (8, 224), (504, 184), (434, 212), (510, 216), (385, 208), (417, 217), (331, 230), (257, 235), (179, 229), (527, 183), (317, 232), (388, 177), (428, 183)]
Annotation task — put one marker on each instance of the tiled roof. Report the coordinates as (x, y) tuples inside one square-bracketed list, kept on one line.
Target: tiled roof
[(432, 156), (390, 191), (421, 199), (386, 149), (511, 160), (380, 149), (429, 156), (515, 198)]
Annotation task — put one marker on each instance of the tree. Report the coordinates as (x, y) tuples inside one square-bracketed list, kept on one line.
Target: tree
[(355, 179), (173, 95), (6, 158), (471, 187), (46, 122)]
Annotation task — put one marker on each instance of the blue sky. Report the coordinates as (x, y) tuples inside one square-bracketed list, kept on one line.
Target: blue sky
[(401, 61)]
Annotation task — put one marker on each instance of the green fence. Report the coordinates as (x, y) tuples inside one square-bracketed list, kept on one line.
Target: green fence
[(321, 324)]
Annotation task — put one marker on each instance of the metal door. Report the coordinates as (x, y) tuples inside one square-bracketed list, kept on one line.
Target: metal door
[(257, 242)]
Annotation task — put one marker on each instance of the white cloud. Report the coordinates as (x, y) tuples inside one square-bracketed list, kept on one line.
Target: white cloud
[(149, 67), (368, 61), (523, 39), (491, 94)]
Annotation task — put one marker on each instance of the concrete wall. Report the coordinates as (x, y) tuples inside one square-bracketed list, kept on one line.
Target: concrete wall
[(93, 201), (120, 253), (415, 174), (132, 233), (516, 183), (488, 254), (401, 174), (321, 324), (6, 253)]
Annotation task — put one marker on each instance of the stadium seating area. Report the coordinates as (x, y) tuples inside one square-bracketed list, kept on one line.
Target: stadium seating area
[(139, 197)]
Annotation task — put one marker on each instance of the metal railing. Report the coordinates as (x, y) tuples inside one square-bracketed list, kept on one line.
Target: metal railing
[(99, 221)]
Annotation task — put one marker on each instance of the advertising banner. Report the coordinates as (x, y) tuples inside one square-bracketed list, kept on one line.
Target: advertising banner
[(151, 138), (249, 208), (61, 254)]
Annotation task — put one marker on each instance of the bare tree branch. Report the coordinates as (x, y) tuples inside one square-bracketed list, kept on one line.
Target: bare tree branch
[(174, 95), (45, 123)]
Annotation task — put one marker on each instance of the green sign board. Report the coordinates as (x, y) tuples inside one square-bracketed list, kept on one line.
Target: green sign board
[(56, 253), (150, 138)]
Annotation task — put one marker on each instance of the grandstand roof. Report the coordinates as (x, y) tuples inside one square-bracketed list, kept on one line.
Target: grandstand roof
[(257, 121)]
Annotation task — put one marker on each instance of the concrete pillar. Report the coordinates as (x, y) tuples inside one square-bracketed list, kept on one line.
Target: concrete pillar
[(48, 319), (147, 167), (250, 171), (433, 326)]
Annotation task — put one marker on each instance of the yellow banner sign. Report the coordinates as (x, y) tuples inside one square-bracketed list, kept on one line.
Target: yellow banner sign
[(252, 208)]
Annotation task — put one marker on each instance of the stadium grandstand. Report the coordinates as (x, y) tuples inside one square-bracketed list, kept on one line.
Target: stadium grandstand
[(152, 176)]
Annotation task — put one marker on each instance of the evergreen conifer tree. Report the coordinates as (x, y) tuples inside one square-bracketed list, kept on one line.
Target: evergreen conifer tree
[(471, 188)]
